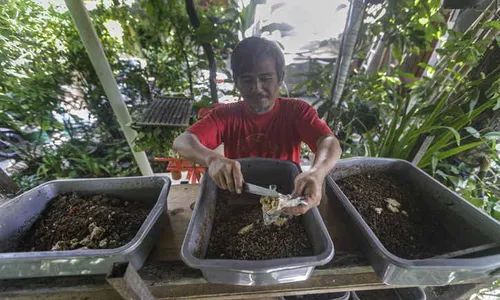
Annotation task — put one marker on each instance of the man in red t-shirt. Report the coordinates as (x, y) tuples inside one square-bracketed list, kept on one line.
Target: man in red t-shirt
[(263, 125)]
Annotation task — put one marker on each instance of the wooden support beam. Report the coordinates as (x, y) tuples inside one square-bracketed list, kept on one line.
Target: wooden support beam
[(125, 280)]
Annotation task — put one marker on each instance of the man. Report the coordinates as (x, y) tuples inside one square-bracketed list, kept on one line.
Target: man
[(262, 125)]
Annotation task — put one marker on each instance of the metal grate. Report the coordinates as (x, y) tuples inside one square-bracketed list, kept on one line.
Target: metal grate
[(169, 112)]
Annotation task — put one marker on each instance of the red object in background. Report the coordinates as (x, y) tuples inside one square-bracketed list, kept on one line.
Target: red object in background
[(176, 175), (177, 165)]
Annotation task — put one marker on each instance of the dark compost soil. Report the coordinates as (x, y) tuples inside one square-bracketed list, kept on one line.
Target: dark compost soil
[(72, 221), (259, 242), (410, 230)]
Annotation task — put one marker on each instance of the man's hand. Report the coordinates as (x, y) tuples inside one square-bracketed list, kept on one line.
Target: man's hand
[(309, 185), (226, 173)]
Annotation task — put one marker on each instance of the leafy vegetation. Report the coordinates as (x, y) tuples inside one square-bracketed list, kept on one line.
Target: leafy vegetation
[(46, 75), (393, 101)]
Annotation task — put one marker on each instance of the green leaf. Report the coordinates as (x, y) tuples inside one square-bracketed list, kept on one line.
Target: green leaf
[(435, 161), (473, 132), (438, 18), (423, 21), (405, 74), (494, 135), (473, 99), (497, 106), (451, 129), (492, 24), (458, 150), (442, 174), (206, 33), (496, 211)]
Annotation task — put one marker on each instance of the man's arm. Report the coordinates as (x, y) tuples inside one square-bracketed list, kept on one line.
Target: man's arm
[(225, 172), (310, 184), (326, 157)]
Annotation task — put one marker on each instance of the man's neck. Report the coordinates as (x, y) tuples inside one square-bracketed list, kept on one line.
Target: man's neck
[(261, 110)]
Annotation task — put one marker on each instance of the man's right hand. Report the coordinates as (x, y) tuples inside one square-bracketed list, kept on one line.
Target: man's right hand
[(226, 173)]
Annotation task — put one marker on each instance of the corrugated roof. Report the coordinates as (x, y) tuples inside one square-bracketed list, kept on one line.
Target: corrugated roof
[(167, 111)]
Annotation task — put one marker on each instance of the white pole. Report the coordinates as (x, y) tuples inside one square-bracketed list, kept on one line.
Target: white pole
[(101, 65)]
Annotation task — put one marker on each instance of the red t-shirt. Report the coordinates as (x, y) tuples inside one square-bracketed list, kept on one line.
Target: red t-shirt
[(276, 134)]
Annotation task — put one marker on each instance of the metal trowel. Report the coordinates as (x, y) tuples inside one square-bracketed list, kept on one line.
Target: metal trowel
[(272, 210)]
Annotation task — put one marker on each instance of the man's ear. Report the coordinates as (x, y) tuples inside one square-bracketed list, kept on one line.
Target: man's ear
[(282, 77), (237, 84)]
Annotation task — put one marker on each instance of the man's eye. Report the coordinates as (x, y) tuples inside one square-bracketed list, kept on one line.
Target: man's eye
[(247, 80), (266, 78)]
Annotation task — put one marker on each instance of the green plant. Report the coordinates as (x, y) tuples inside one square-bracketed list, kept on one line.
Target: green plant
[(44, 62), (33, 70), (157, 140), (393, 100)]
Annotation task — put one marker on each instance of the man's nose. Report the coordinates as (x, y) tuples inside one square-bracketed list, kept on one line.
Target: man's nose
[(257, 86)]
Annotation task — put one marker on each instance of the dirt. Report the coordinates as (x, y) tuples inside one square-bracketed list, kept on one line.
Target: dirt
[(398, 217), (378, 295), (239, 233), (72, 221)]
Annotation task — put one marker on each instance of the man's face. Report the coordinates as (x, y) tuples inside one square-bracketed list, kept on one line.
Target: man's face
[(260, 88)]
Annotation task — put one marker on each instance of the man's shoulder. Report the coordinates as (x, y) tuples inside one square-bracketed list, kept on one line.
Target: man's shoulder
[(292, 104), (227, 109)]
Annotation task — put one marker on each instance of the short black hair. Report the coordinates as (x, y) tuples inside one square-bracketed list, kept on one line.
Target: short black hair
[(250, 50)]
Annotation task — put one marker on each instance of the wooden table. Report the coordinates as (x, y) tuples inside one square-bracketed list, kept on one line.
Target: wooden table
[(169, 278)]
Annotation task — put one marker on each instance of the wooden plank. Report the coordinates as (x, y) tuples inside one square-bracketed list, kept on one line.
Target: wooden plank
[(315, 285), (126, 282), (181, 201)]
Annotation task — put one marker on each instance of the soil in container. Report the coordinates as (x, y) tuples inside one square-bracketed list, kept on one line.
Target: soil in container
[(72, 221), (239, 232), (398, 216)]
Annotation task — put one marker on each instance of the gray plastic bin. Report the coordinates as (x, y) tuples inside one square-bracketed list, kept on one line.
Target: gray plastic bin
[(20, 213), (462, 219), (262, 172)]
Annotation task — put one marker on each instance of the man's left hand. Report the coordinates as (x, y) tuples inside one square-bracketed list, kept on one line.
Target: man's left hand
[(309, 185)]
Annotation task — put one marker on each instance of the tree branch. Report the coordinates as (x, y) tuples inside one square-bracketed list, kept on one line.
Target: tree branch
[(207, 48)]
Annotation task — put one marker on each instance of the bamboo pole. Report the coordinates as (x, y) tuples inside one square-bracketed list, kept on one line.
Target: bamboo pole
[(345, 57), (101, 65)]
